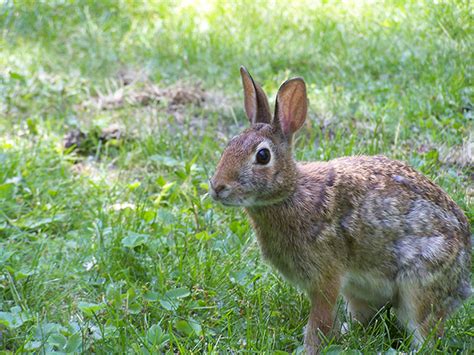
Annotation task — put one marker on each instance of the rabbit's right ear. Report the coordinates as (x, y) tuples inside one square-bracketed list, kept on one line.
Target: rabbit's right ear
[(256, 102), (291, 106)]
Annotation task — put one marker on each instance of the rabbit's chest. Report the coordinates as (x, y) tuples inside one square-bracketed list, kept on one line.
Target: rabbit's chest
[(285, 251)]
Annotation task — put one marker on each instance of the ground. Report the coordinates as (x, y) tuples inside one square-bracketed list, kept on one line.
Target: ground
[(113, 116)]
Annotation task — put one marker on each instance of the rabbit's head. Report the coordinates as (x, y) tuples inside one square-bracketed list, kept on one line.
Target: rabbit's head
[(257, 166)]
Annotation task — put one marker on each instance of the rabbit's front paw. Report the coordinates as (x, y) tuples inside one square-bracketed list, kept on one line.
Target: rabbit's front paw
[(311, 349), (312, 343)]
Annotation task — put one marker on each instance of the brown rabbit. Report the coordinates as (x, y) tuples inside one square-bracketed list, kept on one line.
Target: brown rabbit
[(369, 228)]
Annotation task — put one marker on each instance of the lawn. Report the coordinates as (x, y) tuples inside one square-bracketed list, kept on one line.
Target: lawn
[(113, 115)]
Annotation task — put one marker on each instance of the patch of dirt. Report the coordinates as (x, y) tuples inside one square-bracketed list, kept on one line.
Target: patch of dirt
[(133, 88), (114, 131), (85, 143), (461, 155), (74, 137), (146, 93), (144, 108), (185, 95)]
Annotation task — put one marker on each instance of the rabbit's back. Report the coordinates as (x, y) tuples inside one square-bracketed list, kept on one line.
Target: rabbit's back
[(388, 197), (395, 219)]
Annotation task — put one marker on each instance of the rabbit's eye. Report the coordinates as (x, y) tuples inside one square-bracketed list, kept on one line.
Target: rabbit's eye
[(263, 156)]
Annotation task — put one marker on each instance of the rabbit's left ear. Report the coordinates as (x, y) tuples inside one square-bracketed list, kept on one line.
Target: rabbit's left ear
[(256, 102), (291, 106)]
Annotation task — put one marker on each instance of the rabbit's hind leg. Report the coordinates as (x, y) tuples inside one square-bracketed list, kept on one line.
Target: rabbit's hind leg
[(427, 295), (422, 312)]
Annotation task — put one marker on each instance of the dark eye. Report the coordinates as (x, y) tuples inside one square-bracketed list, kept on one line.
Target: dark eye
[(263, 156)]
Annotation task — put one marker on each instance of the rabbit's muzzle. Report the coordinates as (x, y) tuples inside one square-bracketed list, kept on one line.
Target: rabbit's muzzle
[(218, 191)]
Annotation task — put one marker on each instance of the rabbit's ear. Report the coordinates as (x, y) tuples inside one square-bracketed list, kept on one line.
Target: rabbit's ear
[(291, 106), (256, 102)]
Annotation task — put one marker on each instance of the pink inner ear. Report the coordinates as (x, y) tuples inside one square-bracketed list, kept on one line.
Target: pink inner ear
[(292, 106), (286, 126), (250, 99)]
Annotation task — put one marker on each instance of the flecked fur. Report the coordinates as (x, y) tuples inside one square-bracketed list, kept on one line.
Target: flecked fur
[(367, 227)]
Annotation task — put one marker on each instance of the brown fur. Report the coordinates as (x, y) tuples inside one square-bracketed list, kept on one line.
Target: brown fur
[(371, 228)]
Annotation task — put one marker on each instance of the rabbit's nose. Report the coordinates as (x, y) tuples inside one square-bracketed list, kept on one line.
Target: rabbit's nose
[(220, 188), (217, 189)]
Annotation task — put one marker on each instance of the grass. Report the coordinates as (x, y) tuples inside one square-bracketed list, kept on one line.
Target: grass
[(114, 246)]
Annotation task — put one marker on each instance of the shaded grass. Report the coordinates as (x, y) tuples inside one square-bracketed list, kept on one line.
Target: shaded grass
[(119, 249)]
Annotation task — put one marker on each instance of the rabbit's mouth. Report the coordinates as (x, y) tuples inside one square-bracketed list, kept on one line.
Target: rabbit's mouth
[(237, 197), (231, 199), (236, 201), (248, 201), (225, 194)]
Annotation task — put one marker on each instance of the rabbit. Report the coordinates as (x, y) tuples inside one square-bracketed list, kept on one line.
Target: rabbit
[(368, 228)]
